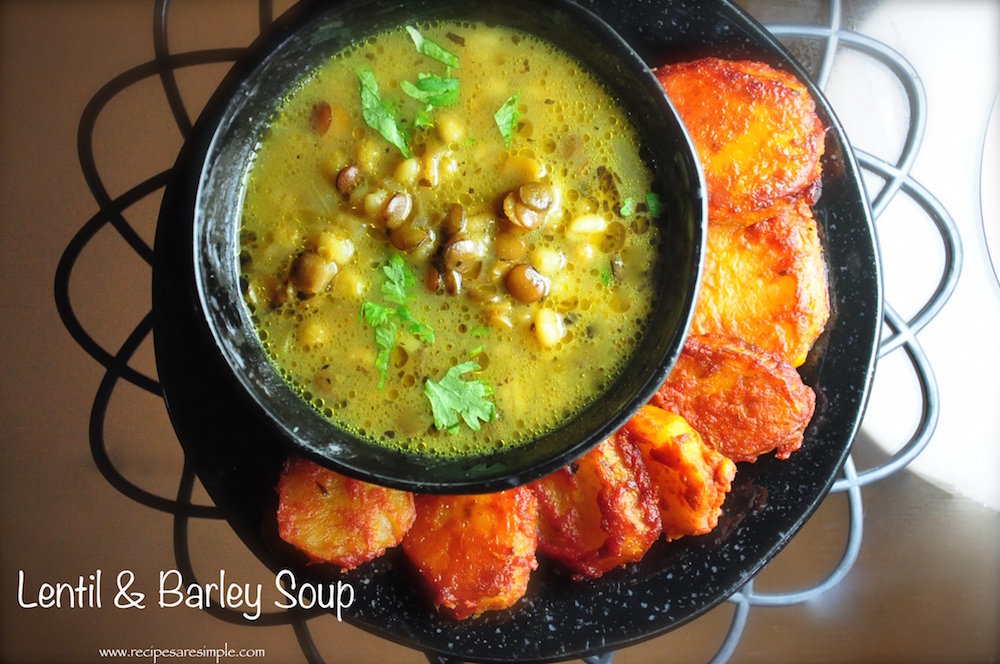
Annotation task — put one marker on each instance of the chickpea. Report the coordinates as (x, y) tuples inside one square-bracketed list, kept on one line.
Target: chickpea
[(448, 166), (547, 261), (369, 153), (407, 171), (562, 288), (373, 202), (523, 317), (312, 333), (481, 225), (584, 253), (311, 273), (449, 128), (548, 326), (525, 284), (586, 225), (350, 284), (430, 174), (333, 247)]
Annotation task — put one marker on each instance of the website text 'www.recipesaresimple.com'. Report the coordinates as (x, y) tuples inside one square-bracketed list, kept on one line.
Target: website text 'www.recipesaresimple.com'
[(153, 654)]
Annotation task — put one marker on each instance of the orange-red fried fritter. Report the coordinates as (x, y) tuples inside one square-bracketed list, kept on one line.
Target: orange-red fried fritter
[(599, 512), (474, 552), (743, 401), (766, 283), (691, 479), (336, 519), (755, 130)]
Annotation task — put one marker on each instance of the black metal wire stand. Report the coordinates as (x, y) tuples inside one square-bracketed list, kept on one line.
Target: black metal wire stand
[(899, 335)]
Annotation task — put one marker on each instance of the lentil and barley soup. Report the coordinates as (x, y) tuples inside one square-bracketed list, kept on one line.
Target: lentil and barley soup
[(448, 239)]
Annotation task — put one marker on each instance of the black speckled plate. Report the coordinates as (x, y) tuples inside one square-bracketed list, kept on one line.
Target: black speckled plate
[(238, 461)]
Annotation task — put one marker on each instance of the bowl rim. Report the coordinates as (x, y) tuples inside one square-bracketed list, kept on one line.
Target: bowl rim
[(302, 426)]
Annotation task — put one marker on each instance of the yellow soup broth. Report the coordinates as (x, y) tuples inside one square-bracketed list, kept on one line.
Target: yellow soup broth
[(499, 215)]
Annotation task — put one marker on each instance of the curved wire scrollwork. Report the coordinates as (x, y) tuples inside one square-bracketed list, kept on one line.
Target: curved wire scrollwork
[(901, 334), (116, 363)]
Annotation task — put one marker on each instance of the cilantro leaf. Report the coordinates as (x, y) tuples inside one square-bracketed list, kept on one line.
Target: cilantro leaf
[(423, 119), (606, 275), (654, 205), (507, 118), (431, 49), (628, 207), (374, 314), (432, 90), (420, 330), (385, 339), (399, 280), (452, 397), (378, 114)]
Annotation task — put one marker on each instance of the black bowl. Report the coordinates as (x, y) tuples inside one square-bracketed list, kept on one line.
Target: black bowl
[(205, 200)]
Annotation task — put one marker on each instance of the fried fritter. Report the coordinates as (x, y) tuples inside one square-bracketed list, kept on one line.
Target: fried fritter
[(691, 479), (599, 512), (755, 130), (744, 401), (474, 552), (766, 283), (337, 519)]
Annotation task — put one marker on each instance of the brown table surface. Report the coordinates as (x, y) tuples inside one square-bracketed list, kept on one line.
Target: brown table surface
[(926, 585)]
